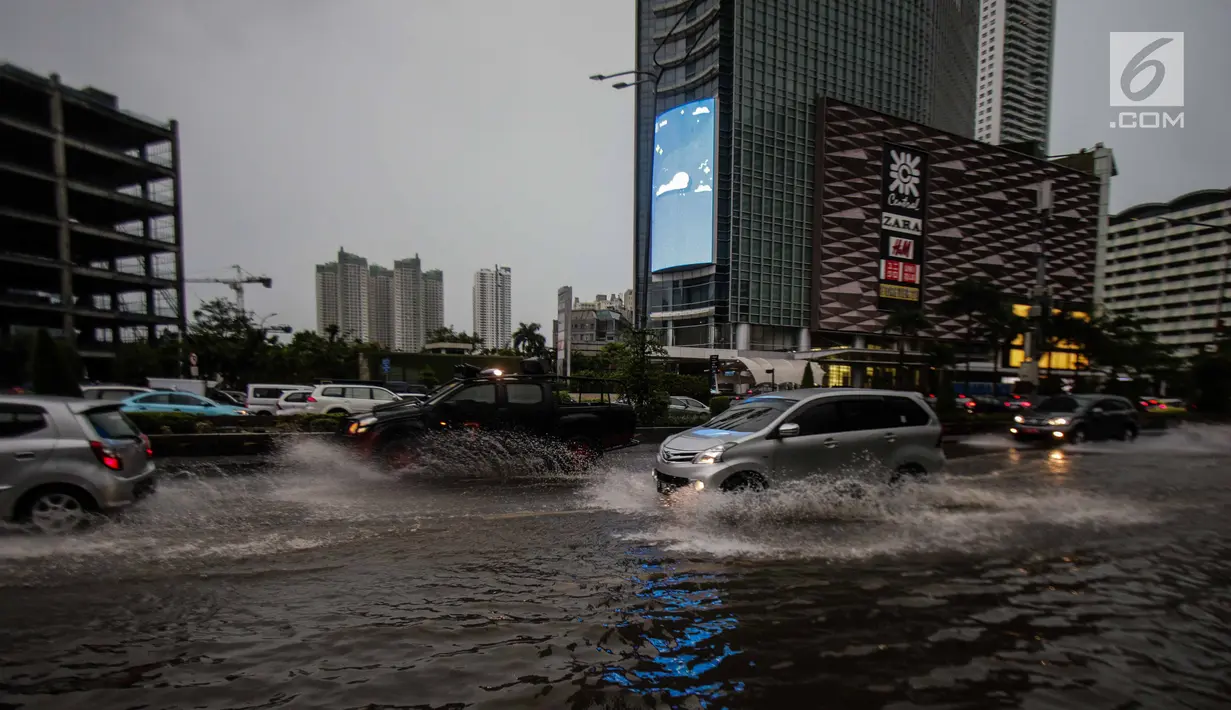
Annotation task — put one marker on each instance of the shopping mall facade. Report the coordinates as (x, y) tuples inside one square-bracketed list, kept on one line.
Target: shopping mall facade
[(785, 205)]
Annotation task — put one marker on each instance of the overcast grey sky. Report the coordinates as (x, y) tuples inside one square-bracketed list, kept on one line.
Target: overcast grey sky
[(466, 130)]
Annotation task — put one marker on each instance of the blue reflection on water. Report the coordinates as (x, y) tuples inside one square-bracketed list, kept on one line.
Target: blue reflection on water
[(681, 618)]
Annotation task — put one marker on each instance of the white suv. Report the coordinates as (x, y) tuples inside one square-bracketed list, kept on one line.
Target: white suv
[(347, 399)]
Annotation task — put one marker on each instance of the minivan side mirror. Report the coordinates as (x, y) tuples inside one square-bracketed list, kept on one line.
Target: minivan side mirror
[(787, 431)]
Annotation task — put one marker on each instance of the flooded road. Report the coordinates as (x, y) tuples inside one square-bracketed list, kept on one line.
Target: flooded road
[(1095, 577)]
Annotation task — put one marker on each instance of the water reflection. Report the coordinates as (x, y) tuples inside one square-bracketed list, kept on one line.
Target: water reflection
[(679, 622)]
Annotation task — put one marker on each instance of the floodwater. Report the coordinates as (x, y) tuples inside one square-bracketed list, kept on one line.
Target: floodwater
[(1093, 577)]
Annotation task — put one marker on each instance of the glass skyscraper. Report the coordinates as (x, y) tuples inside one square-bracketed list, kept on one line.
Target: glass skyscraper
[(766, 62)]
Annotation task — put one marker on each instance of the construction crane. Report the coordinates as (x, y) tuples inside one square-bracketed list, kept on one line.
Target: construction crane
[(237, 284)]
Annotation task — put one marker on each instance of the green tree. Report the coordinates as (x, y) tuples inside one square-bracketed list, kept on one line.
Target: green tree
[(905, 323), (427, 377), (967, 299), (807, 381), (443, 335), (51, 367), (640, 370)]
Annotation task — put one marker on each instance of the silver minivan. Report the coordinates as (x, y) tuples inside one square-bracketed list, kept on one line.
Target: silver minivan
[(63, 459), (773, 437)]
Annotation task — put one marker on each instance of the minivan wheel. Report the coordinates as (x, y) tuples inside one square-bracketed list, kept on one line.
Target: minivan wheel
[(908, 471), (56, 510), (746, 482), (264, 413), (336, 411)]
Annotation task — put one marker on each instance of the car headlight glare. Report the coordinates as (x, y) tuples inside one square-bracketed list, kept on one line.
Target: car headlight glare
[(712, 454), (1019, 419), (1057, 421)]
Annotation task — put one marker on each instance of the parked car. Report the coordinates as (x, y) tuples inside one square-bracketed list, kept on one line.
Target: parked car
[(688, 405), (263, 399), (184, 402), (1075, 418), (293, 402), (979, 404), (64, 459), (490, 401), (771, 438), (112, 393), (347, 399)]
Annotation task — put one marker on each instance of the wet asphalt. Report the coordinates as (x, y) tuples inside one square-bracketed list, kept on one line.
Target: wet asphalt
[(1090, 577)]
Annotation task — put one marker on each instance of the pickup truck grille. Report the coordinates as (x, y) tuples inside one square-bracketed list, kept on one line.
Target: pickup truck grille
[(673, 456)]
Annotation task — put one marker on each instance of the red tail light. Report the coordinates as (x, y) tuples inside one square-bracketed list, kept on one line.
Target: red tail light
[(311, 398), (970, 404), (149, 450), (107, 456), (1025, 404)]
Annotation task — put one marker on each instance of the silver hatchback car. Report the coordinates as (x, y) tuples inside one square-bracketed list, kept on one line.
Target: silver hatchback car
[(64, 459), (768, 438)]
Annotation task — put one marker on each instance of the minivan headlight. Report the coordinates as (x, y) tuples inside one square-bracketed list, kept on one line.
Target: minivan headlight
[(712, 454), (1057, 421)]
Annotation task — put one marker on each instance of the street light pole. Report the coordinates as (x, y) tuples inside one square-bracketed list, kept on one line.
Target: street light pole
[(1040, 306), (649, 77)]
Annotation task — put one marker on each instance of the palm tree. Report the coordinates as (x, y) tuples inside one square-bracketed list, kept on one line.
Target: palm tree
[(967, 298), (527, 340), (999, 326), (905, 323)]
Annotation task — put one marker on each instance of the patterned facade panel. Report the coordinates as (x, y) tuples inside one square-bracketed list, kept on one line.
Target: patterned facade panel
[(982, 220)]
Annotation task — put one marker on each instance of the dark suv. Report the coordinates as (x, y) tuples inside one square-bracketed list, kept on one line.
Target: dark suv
[(1078, 417)]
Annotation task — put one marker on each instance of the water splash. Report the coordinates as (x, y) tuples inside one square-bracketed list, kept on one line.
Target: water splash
[(856, 514)]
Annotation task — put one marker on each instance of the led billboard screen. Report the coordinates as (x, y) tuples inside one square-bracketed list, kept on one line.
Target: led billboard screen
[(682, 209)]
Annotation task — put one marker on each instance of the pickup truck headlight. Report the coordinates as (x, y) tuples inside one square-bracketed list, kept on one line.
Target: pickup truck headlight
[(712, 454), (362, 425), (1057, 421)]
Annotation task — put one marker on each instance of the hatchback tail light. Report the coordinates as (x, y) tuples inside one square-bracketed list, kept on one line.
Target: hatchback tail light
[(149, 450), (107, 456), (311, 398)]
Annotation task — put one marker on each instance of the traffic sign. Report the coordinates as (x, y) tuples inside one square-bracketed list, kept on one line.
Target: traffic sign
[(192, 359), (386, 366)]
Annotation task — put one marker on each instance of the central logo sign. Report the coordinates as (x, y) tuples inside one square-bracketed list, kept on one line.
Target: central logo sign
[(903, 222)]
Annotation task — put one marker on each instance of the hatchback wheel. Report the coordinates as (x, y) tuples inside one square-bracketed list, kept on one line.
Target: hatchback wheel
[(56, 511), (1078, 436)]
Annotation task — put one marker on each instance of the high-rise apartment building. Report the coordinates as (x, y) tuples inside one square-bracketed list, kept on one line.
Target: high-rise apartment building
[(380, 306), (353, 296), (1016, 38), (408, 305), (395, 308), (326, 296), (1166, 263), (753, 73), (342, 296), (433, 301), (493, 315)]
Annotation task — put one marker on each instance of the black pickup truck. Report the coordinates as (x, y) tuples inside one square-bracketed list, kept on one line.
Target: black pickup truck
[(489, 400)]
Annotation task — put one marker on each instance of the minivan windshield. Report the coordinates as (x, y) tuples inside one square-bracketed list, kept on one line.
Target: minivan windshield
[(1058, 405), (750, 416)]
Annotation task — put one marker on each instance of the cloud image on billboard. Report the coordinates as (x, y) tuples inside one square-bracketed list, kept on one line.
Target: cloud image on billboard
[(682, 212)]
